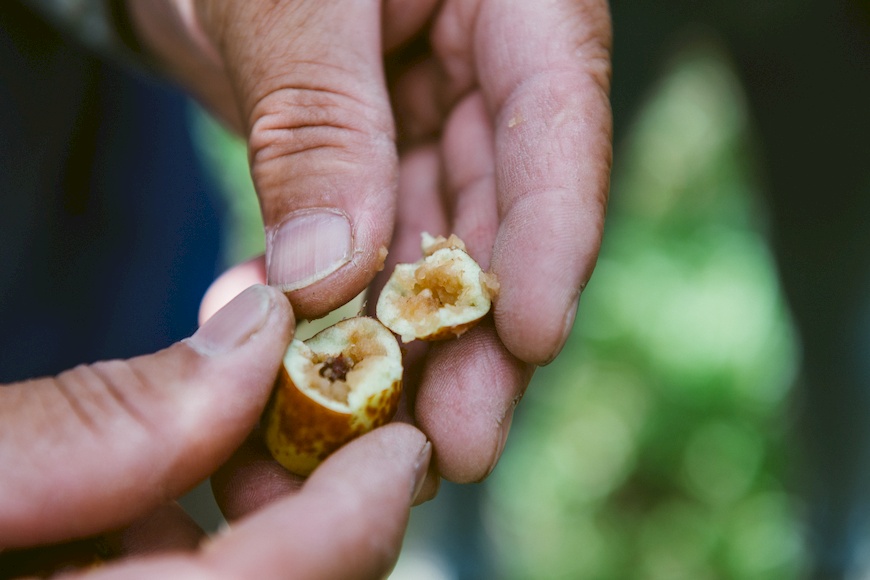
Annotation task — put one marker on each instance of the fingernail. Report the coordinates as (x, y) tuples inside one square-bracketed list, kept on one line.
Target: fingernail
[(504, 430), (306, 247), (567, 326), (421, 468), (234, 324)]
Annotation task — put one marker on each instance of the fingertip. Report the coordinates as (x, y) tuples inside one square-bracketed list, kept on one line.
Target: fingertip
[(429, 485), (318, 298), (544, 255), (466, 400), (567, 327), (399, 444), (236, 323), (358, 500), (530, 338), (230, 284), (306, 246)]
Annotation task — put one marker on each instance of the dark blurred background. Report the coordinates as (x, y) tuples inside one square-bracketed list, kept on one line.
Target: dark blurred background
[(109, 224)]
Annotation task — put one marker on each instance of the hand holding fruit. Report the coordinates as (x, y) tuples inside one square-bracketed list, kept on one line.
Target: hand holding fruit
[(346, 380), (371, 122), (101, 451)]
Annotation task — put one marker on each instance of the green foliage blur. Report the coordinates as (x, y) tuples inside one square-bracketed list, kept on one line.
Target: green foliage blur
[(657, 445)]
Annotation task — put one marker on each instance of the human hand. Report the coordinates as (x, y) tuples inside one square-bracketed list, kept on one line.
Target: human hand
[(94, 457), (500, 114)]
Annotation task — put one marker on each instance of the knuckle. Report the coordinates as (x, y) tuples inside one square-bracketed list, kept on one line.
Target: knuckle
[(296, 120)]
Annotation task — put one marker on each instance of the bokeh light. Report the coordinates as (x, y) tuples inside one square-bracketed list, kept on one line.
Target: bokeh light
[(656, 446)]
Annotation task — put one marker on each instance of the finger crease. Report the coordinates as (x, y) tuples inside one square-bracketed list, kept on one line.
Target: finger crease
[(138, 384), (64, 383)]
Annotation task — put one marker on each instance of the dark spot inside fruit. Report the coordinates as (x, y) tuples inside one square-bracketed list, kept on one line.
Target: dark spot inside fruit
[(335, 368)]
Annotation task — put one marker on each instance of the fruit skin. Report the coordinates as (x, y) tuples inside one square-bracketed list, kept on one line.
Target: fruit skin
[(301, 431)]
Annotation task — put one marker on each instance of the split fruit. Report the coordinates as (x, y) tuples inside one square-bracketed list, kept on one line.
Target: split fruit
[(333, 387), (441, 296)]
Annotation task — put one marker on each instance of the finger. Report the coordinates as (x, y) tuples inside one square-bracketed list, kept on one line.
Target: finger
[(167, 529), (420, 209), (102, 445), (402, 19), (543, 69), (553, 157), (230, 284), (251, 479), (348, 521), (470, 386), (310, 80), (466, 402), (469, 170)]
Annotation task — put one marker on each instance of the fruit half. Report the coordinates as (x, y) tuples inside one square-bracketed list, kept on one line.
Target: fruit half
[(335, 386), (441, 296)]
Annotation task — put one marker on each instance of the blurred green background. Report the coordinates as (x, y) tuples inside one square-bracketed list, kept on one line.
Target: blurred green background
[(657, 445)]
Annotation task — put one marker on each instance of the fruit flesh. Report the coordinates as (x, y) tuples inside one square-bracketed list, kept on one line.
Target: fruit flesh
[(433, 286), (333, 387), (331, 379), (441, 296), (335, 368), (332, 364)]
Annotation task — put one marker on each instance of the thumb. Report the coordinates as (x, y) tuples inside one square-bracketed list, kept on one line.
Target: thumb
[(100, 445), (309, 80)]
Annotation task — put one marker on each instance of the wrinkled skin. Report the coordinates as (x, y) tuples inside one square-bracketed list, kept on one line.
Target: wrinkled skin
[(370, 122), (488, 119), (100, 452)]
